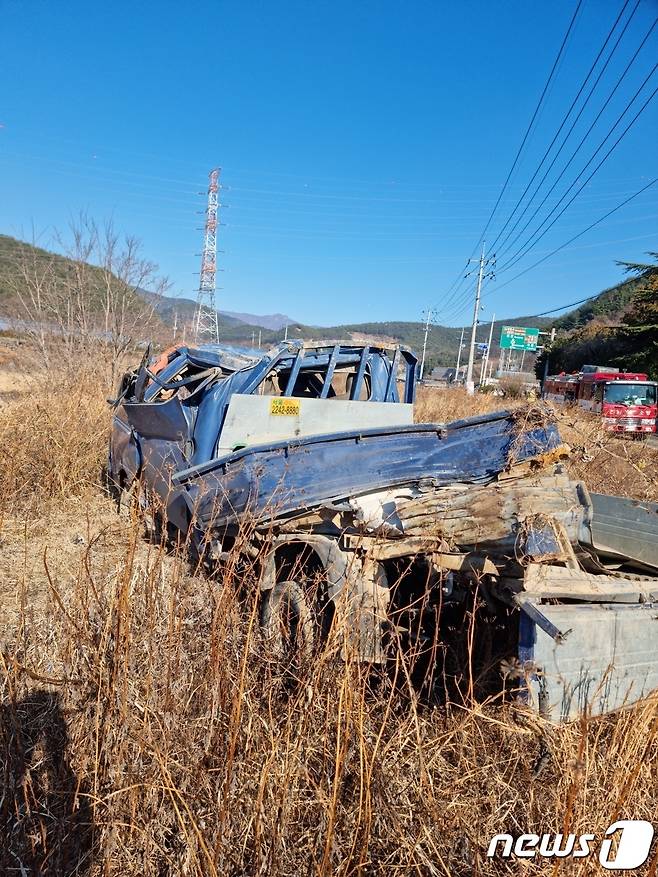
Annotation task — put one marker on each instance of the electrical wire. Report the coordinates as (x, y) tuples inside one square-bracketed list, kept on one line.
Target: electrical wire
[(458, 280), (580, 234), (572, 305), (564, 121), (532, 121), (465, 299), (568, 135), (575, 152), (516, 257)]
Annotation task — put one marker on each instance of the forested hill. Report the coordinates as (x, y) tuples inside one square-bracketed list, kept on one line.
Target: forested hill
[(604, 310), (608, 307), (618, 328)]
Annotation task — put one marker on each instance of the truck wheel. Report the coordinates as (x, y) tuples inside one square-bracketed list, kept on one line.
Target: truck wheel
[(287, 624)]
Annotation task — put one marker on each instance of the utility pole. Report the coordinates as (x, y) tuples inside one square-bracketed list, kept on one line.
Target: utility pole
[(175, 324), (429, 315), (260, 332), (547, 357), (470, 386), (485, 364), (285, 337), (459, 354)]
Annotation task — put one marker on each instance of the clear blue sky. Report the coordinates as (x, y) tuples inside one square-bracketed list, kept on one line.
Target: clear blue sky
[(364, 144)]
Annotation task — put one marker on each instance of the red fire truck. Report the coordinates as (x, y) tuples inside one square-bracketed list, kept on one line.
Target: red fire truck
[(626, 401)]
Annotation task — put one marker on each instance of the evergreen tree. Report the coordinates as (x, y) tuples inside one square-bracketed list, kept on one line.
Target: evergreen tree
[(639, 331)]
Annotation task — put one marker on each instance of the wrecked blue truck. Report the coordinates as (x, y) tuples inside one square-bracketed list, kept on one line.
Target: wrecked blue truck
[(464, 544)]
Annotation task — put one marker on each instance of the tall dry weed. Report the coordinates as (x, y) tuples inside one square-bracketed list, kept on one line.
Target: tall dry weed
[(53, 436), (178, 748), (435, 404), (145, 730)]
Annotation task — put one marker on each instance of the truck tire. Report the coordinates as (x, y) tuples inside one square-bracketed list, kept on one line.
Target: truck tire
[(287, 624)]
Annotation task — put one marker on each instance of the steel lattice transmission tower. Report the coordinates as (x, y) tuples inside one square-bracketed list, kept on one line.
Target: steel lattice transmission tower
[(206, 326)]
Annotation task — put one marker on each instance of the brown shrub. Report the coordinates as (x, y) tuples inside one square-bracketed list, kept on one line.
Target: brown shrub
[(605, 461), (436, 404), (54, 438)]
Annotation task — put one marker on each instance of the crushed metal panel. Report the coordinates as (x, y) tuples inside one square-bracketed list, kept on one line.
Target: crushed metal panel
[(609, 659), (377, 511), (255, 420), (624, 528), (545, 581), (497, 516), (286, 476)]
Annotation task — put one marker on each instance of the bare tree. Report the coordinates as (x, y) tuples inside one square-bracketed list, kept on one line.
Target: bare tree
[(114, 288), (30, 279), (98, 296)]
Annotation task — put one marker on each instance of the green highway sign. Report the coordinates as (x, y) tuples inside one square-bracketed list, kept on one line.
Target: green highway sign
[(518, 338)]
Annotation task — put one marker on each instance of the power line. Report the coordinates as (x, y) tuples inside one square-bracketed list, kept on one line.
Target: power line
[(532, 120), (580, 234), (458, 281), (100, 150), (461, 305), (577, 149), (91, 176), (564, 121), (516, 257), (459, 310), (572, 305)]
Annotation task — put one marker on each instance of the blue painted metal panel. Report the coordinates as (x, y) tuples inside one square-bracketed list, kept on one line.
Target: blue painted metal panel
[(284, 477), (287, 476)]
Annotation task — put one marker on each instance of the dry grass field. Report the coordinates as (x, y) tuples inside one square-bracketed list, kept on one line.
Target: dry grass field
[(142, 732)]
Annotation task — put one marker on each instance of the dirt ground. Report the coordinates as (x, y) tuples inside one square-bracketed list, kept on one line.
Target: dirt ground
[(14, 379), (143, 733)]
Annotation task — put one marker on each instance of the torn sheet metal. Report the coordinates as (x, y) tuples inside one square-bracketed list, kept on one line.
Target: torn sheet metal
[(377, 512), (284, 477), (549, 582), (607, 662), (623, 529)]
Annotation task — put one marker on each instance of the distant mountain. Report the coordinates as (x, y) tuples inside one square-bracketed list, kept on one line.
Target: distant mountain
[(265, 321), (180, 311), (169, 306), (247, 329)]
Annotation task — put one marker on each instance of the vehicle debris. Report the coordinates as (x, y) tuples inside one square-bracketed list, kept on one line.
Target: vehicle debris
[(465, 544)]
